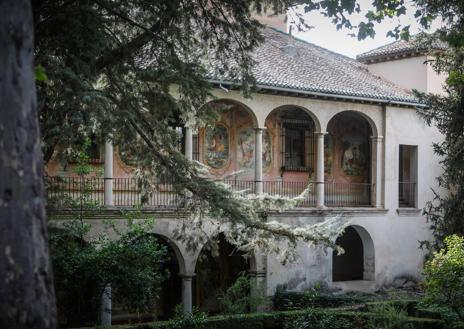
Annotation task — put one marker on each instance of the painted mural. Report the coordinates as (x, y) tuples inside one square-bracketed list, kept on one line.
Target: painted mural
[(354, 155), (217, 146), (267, 149), (246, 148)]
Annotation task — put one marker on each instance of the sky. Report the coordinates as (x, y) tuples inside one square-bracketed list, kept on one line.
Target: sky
[(325, 34)]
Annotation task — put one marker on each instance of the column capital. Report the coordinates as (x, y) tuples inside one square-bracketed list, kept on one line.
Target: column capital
[(320, 133), (377, 138), (259, 128), (187, 277)]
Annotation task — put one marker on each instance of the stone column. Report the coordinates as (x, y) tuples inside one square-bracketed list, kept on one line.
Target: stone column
[(257, 275), (187, 293), (320, 170), (108, 173), (376, 177), (188, 143), (259, 160), (105, 315)]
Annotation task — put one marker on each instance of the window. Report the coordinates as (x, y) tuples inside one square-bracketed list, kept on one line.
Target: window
[(294, 147), (407, 187), (298, 146)]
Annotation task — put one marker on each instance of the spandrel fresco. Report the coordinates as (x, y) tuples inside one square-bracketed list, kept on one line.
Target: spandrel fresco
[(217, 146)]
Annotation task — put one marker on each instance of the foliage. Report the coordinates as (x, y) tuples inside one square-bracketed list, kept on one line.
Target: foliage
[(444, 276), (446, 113), (389, 317), (311, 318), (182, 320), (241, 297), (131, 71), (313, 297), (132, 262), (317, 320), (85, 202)]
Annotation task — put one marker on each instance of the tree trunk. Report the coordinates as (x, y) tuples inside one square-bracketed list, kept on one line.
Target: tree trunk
[(27, 298)]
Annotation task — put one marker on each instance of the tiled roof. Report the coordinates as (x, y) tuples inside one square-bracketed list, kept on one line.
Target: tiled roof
[(290, 64), (399, 48)]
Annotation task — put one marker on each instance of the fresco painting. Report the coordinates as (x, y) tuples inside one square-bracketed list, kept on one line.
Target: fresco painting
[(246, 148), (354, 155), (267, 149), (217, 146)]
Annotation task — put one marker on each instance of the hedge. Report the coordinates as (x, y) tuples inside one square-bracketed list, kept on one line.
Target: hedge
[(277, 320), (287, 300)]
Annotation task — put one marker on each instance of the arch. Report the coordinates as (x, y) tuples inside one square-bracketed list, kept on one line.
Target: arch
[(215, 273), (358, 261), (254, 118), (349, 163), (171, 290), (179, 256), (170, 294), (294, 142), (370, 121), (314, 118)]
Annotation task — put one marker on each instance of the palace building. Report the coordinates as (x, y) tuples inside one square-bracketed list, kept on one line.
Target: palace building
[(348, 127)]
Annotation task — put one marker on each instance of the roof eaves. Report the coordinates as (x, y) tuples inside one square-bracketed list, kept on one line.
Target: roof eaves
[(388, 56), (317, 94)]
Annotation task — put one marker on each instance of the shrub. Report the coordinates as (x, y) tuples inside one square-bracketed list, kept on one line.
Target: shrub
[(182, 320), (317, 320), (240, 297), (313, 297), (444, 276), (133, 263), (389, 317)]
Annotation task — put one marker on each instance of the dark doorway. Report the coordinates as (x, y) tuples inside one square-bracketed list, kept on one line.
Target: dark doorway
[(216, 273), (170, 295), (171, 292), (350, 265)]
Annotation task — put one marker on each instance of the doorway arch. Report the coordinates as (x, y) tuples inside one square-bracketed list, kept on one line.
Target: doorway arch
[(215, 271), (358, 261)]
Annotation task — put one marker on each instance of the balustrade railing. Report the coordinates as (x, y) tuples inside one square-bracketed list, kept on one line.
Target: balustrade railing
[(75, 192), (243, 187), (292, 190), (347, 194)]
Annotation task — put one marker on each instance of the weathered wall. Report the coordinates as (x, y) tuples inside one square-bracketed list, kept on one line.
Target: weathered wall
[(435, 81), (409, 73)]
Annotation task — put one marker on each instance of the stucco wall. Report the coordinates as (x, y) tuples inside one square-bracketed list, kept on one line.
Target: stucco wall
[(435, 81), (409, 73)]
